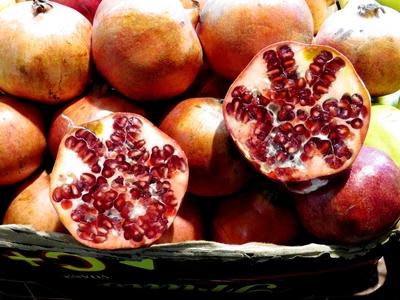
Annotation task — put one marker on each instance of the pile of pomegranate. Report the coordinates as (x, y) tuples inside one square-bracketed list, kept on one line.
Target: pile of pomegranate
[(129, 123)]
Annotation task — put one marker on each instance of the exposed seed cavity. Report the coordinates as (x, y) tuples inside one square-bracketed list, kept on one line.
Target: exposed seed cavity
[(128, 188), (293, 120)]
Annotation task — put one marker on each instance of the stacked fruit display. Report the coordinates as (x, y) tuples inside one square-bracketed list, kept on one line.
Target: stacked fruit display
[(127, 123)]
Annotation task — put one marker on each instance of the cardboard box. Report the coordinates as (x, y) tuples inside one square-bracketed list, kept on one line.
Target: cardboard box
[(56, 266)]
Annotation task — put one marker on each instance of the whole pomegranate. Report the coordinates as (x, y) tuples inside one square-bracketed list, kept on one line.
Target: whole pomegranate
[(22, 139), (44, 50), (298, 111), (125, 186), (187, 226), (233, 31), (85, 7), (259, 213), (367, 33), (98, 103), (359, 205), (165, 68), (216, 168), (31, 205)]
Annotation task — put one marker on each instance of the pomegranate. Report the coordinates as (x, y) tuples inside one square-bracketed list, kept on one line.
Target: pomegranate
[(44, 50), (22, 140), (31, 205), (187, 226), (125, 185), (232, 32), (257, 214), (193, 9), (367, 34), (320, 10), (359, 205), (85, 7), (193, 3), (208, 84), (98, 103), (298, 111), (216, 168), (122, 28)]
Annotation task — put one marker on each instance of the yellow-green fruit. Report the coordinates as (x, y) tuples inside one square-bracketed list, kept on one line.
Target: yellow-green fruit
[(383, 132), (5, 3), (395, 4), (391, 99)]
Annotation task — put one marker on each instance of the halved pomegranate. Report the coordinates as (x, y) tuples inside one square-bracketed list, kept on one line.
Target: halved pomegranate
[(118, 182), (298, 111)]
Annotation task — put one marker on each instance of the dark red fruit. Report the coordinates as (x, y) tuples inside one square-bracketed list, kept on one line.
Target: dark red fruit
[(187, 226), (118, 182), (357, 205), (257, 214), (85, 7), (298, 111)]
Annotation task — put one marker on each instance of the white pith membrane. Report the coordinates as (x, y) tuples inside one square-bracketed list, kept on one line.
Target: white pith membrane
[(293, 167), (130, 224)]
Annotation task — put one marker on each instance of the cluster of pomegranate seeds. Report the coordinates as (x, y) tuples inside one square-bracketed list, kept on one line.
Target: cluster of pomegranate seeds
[(294, 119), (126, 187)]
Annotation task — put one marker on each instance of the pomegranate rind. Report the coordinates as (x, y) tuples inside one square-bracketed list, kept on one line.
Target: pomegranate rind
[(156, 73), (69, 166), (34, 48), (232, 32), (254, 78)]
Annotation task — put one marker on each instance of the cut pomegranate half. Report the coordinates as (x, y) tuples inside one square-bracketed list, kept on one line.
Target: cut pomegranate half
[(298, 111), (118, 182)]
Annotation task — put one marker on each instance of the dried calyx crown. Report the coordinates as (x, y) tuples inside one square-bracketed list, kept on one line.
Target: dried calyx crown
[(41, 6)]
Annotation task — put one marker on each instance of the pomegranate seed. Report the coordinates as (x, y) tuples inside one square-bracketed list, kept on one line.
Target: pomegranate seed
[(333, 161), (356, 123)]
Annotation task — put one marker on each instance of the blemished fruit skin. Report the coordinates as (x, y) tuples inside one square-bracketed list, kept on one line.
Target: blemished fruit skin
[(357, 206)]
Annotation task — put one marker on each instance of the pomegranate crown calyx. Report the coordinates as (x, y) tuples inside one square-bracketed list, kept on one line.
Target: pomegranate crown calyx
[(41, 6), (370, 9)]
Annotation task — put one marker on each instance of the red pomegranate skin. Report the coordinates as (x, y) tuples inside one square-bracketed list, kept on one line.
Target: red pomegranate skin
[(85, 7), (362, 203), (216, 168), (187, 226), (22, 139), (256, 215)]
